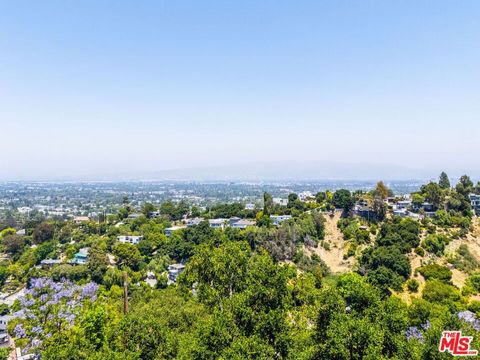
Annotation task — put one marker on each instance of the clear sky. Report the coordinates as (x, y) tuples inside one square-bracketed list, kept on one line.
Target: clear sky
[(104, 88)]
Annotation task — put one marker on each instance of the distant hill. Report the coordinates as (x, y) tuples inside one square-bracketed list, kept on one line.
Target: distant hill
[(289, 170)]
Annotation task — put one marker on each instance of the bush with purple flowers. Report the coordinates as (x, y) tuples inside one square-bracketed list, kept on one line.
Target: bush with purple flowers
[(49, 307)]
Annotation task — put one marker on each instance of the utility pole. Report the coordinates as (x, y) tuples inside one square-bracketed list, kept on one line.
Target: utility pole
[(125, 293)]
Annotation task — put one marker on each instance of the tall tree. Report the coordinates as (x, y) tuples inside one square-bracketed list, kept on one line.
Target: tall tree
[(147, 208), (381, 190), (267, 203), (443, 181), (464, 185), (43, 232), (433, 194), (342, 199)]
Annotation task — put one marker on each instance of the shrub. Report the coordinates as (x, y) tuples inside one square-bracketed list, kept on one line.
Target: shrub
[(442, 218), (435, 271), (351, 250), (419, 251), (474, 282), (436, 243), (389, 257), (440, 292), (413, 285), (464, 260)]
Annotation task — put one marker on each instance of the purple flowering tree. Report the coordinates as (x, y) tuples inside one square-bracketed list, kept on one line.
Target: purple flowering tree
[(49, 307), (470, 318), (414, 333)]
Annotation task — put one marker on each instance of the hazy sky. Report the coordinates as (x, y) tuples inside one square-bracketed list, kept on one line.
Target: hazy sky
[(100, 88)]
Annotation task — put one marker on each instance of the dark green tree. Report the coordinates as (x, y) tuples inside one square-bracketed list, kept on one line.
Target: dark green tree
[(444, 181), (343, 199)]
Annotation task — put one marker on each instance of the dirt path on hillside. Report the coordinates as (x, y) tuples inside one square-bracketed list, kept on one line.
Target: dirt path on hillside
[(472, 240), (333, 257)]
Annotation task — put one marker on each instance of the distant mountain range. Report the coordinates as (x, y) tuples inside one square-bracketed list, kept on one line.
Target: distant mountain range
[(288, 171), (267, 171)]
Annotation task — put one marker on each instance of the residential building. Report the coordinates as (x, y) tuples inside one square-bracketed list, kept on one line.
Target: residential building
[(194, 221), (427, 207), (154, 214), (80, 219), (151, 279), (50, 262), (238, 223), (249, 206), (135, 215), (390, 200), (305, 196), (217, 223), (4, 337), (129, 239), (403, 204), (81, 257), (174, 271), (363, 210), (400, 212), (280, 201), (475, 202), (169, 230), (278, 219)]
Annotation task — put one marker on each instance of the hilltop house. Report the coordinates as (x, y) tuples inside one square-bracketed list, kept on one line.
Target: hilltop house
[(238, 223), (129, 239), (363, 210), (4, 338), (173, 272), (475, 202), (305, 196), (50, 262), (280, 201), (400, 212), (80, 219), (403, 204), (194, 221), (154, 214), (217, 223), (249, 206), (81, 257), (278, 219), (427, 207), (168, 231)]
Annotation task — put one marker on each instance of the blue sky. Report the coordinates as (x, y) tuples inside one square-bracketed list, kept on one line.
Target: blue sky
[(103, 88)]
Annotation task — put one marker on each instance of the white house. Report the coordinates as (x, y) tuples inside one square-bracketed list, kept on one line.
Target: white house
[(4, 338), (80, 219), (278, 219), (403, 204), (173, 272), (4, 319), (305, 195), (249, 206), (217, 223), (129, 239), (280, 201), (194, 221), (238, 223), (169, 230), (475, 202), (400, 212)]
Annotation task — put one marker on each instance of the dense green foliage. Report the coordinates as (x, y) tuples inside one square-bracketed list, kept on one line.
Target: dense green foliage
[(263, 292)]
